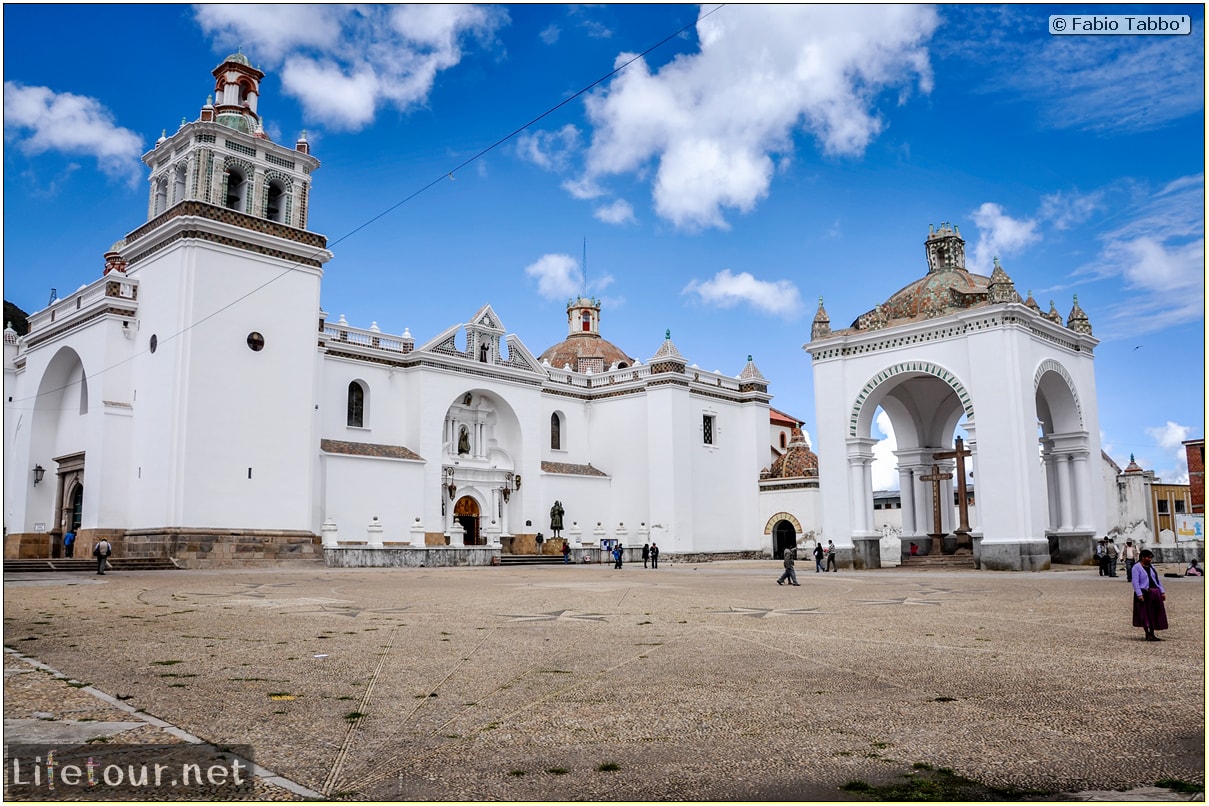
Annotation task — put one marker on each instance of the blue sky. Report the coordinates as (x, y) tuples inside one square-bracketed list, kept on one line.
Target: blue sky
[(763, 158)]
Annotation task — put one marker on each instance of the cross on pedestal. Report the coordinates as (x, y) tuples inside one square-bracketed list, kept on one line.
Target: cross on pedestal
[(960, 454), (936, 477)]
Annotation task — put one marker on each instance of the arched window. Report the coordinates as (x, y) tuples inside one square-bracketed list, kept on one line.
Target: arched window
[(782, 440), (178, 184), (161, 195), (556, 432), (275, 203), (587, 319), (356, 405), (237, 184)]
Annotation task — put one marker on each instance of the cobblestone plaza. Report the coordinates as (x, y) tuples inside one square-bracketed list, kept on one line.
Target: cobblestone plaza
[(690, 682)]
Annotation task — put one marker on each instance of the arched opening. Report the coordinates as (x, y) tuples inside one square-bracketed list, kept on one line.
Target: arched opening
[(587, 322), (466, 512), (356, 405), (1066, 465), (237, 184), (76, 510), (178, 185), (274, 201), (783, 537), (556, 431), (161, 195), (904, 437)]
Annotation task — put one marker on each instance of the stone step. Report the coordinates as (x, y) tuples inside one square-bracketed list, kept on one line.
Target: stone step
[(89, 564), (531, 559), (937, 561)]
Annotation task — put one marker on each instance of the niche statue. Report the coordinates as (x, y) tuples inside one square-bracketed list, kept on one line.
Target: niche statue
[(556, 518)]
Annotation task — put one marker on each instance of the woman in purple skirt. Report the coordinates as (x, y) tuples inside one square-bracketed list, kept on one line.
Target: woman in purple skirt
[(1149, 613)]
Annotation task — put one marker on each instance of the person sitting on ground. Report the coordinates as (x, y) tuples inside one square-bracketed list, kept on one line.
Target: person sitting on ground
[(1193, 570)]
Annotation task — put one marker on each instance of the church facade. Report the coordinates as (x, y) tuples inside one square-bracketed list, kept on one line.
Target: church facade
[(167, 407)]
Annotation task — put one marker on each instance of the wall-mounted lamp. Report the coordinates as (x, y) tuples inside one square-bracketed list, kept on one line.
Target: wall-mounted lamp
[(39, 473), (449, 485)]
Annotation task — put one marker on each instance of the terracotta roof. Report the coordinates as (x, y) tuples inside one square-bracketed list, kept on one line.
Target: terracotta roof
[(569, 469), (798, 460), (367, 449), (585, 347), (778, 417)]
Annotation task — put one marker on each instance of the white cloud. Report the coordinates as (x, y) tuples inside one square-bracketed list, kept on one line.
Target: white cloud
[(1169, 438), (725, 290), (550, 150), (550, 33), (343, 63), (1160, 256), (558, 276), (38, 119), (619, 212), (998, 235), (1064, 210), (714, 123)]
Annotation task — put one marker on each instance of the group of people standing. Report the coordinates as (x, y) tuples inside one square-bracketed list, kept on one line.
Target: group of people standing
[(820, 553), (650, 553)]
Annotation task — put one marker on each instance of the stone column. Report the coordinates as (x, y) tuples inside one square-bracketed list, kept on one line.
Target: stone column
[(856, 494), (1051, 487), (1065, 523), (417, 533), (1081, 491), (906, 497)]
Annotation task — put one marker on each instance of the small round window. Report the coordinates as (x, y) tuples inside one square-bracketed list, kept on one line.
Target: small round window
[(155, 342), (255, 341)]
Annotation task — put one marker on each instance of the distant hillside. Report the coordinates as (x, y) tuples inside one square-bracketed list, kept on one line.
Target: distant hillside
[(17, 317)]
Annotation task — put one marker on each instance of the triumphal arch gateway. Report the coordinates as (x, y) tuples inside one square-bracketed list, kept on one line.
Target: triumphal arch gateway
[(955, 350)]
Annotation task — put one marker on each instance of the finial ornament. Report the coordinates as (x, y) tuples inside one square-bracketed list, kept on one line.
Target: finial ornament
[(749, 356), (1076, 298), (820, 300), (667, 334)]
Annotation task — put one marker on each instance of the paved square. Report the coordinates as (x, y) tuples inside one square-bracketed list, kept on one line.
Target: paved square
[(697, 681)]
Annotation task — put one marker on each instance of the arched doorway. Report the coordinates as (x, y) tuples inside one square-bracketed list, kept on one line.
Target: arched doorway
[(783, 537), (466, 512)]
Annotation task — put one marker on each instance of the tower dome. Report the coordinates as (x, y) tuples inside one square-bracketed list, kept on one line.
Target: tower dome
[(584, 350)]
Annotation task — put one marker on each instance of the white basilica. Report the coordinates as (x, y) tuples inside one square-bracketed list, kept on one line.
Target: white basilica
[(195, 402), (122, 400)]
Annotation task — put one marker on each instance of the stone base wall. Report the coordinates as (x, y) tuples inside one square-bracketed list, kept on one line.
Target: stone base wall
[(1182, 553), (1026, 555), (435, 539), (203, 548), (408, 556), (702, 557)]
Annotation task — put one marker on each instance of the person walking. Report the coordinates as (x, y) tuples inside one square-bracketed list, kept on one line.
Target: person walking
[(1110, 549), (101, 551), (566, 553), (69, 544), (1130, 555), (1102, 557), (654, 555), (788, 573), (831, 566), (818, 557), (617, 556), (646, 554), (1149, 612)]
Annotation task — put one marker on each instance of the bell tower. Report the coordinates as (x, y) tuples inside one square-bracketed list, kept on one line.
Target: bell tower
[(228, 280), (224, 158)]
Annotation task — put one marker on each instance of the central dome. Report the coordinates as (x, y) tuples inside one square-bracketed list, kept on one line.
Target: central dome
[(584, 350)]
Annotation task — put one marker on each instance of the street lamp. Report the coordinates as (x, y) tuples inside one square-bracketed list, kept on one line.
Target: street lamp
[(39, 472)]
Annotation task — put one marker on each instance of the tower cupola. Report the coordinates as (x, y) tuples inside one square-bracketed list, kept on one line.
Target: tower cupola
[(946, 250), (236, 92)]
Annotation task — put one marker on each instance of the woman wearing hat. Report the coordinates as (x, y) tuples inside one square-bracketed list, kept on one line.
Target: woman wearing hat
[(1149, 612)]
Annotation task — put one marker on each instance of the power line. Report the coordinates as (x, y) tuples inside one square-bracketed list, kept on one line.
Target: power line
[(446, 175)]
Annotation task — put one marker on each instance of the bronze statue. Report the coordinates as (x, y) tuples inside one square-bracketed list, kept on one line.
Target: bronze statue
[(556, 518), (464, 441)]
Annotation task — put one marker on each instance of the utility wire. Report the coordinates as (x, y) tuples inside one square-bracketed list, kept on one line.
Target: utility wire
[(447, 175)]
